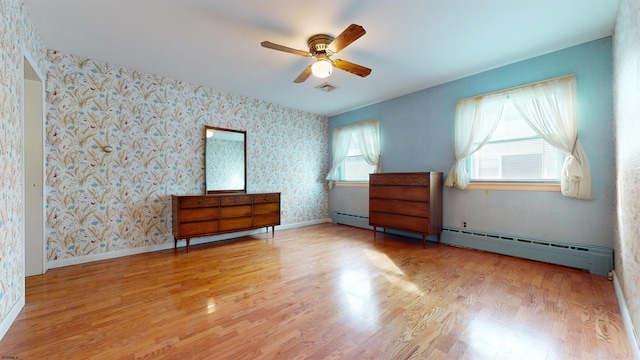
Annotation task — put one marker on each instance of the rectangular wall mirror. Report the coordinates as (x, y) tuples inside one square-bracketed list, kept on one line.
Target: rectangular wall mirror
[(225, 160)]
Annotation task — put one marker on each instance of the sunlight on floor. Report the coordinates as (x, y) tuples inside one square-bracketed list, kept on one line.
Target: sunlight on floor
[(392, 272), (490, 339), (358, 286), (211, 305), (359, 298), (382, 261)]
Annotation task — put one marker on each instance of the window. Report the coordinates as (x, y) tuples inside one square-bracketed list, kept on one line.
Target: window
[(527, 134), (355, 152), (355, 167), (515, 153)]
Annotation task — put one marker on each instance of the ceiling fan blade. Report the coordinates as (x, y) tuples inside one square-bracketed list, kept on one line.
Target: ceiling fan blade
[(351, 67), (304, 75), (349, 35), (270, 45)]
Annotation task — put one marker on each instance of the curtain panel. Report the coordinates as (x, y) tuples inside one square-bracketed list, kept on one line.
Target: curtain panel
[(476, 121)]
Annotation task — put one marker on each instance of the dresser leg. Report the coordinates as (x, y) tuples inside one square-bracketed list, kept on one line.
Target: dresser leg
[(188, 241), (374, 232), (424, 241)]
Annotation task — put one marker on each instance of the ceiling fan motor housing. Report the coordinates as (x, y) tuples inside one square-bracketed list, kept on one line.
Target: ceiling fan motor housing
[(319, 44)]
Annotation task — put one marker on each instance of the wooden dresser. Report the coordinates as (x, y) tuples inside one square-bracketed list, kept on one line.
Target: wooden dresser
[(406, 201), (212, 214)]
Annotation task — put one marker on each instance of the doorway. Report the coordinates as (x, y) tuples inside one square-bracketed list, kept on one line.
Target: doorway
[(33, 150)]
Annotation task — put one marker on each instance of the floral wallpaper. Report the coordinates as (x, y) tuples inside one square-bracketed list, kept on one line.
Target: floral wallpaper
[(101, 202), (626, 78), (16, 33)]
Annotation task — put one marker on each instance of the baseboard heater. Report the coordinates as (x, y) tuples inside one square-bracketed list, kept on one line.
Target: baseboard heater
[(595, 259), (338, 217)]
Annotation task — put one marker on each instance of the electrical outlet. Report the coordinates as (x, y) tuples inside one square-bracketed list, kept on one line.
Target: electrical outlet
[(464, 224)]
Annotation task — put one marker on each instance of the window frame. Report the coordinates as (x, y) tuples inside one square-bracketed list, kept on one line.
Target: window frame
[(521, 184), (370, 132), (462, 167)]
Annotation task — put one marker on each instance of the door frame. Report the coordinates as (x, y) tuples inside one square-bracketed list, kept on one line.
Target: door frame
[(33, 136)]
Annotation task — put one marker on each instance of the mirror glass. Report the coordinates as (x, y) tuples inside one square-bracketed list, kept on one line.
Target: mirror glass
[(225, 160)]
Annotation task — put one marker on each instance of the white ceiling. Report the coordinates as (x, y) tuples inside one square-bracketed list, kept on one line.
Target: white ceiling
[(410, 44)]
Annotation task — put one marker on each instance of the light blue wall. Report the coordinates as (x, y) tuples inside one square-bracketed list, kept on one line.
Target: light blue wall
[(417, 133)]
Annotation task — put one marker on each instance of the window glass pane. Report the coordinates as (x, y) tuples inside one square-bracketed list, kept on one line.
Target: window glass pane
[(355, 168), (516, 153), (512, 126), (354, 147)]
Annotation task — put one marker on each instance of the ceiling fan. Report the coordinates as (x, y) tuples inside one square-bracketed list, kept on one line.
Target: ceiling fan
[(322, 47)]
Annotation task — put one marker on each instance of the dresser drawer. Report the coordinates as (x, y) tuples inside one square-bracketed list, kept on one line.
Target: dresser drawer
[(266, 220), (401, 179), (198, 228), (235, 200), (399, 222), (270, 208), (411, 193), (198, 214), (235, 211), (412, 208), (235, 224), (199, 201), (266, 198)]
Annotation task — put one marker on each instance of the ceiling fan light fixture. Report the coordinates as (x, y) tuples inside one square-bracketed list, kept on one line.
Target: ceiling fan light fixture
[(322, 68)]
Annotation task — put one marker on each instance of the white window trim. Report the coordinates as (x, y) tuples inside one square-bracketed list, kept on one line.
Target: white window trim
[(352, 184), (520, 186)]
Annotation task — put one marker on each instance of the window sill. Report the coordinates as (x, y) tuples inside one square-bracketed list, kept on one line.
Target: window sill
[(352, 183), (514, 186), (479, 186)]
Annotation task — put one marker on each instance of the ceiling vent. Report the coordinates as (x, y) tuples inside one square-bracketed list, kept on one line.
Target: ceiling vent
[(326, 87)]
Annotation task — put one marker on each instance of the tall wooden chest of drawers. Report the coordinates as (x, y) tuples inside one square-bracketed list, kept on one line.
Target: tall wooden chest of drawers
[(213, 214), (406, 201)]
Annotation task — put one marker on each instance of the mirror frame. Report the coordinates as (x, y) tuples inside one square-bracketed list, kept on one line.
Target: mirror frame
[(208, 128)]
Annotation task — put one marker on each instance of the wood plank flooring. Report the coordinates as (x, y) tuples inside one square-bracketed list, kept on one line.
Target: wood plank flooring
[(319, 292)]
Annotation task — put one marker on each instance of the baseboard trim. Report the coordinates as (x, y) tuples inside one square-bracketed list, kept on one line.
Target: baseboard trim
[(11, 316), (626, 318), (182, 243), (302, 224)]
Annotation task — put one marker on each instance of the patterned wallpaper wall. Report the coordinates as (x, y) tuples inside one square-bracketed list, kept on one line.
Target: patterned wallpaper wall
[(16, 33), (102, 202), (626, 56)]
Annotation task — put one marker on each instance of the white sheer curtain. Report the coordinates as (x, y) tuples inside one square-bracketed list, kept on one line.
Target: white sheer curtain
[(475, 122), (550, 108), (368, 138)]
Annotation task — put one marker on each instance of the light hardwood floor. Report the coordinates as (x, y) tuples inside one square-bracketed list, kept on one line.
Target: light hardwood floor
[(319, 292)]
